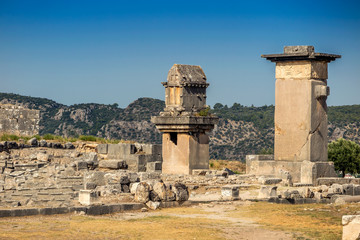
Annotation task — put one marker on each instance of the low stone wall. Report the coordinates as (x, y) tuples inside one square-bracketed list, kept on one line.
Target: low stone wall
[(138, 157), (18, 120)]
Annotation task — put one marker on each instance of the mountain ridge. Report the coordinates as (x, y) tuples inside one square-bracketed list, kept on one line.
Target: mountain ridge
[(241, 129)]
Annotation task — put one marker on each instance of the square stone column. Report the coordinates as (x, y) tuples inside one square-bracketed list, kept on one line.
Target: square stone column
[(185, 121), (300, 104), (301, 90)]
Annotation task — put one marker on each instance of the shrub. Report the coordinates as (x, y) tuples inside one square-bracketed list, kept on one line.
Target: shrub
[(9, 137), (88, 138), (346, 156), (49, 137), (204, 112)]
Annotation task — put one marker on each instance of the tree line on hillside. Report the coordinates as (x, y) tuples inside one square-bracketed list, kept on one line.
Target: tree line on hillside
[(253, 134)]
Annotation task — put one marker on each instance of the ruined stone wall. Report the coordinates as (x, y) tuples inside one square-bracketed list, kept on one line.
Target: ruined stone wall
[(18, 120)]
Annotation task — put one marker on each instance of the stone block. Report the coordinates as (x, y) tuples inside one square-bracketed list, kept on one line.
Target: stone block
[(142, 193), (80, 165), (331, 180), (351, 227), (121, 150), (311, 171), (356, 190), (95, 177), (102, 148), (133, 187), (153, 205), (230, 192), (267, 157), (85, 197), (181, 192), (348, 189), (153, 166), (271, 168), (266, 192), (52, 211), (336, 189), (113, 164), (269, 181)]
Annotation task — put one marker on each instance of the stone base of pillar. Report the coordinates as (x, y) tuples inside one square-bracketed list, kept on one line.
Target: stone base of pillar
[(302, 172), (310, 171), (183, 152)]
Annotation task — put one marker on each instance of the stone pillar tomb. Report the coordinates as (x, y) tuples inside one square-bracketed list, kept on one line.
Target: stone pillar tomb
[(301, 91), (185, 121)]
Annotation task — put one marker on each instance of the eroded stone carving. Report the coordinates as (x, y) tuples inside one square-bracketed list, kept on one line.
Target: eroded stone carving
[(185, 121)]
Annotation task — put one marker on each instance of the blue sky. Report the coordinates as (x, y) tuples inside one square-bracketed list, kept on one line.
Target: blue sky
[(117, 51)]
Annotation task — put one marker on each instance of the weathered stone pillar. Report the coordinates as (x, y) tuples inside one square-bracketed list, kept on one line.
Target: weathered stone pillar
[(300, 104), (301, 113), (185, 121)]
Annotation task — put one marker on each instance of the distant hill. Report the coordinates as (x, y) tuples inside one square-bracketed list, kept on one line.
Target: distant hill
[(241, 130)]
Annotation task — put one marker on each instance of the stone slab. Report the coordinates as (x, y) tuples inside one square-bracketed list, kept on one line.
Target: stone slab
[(328, 181), (351, 227)]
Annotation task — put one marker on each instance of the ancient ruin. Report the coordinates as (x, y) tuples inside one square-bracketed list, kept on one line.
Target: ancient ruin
[(185, 121), (300, 117), (19, 120)]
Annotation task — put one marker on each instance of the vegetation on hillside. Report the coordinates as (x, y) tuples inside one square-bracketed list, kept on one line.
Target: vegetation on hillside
[(241, 130)]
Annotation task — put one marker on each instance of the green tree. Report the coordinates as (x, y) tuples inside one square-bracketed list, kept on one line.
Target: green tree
[(346, 156)]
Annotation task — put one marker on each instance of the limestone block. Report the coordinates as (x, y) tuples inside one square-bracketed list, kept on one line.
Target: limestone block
[(153, 205), (230, 192), (33, 142), (356, 190), (311, 171), (301, 70), (113, 164), (336, 188), (160, 189), (95, 177), (187, 153), (85, 197), (181, 192), (153, 196), (342, 199), (69, 145), (42, 157), (80, 165), (153, 166), (351, 227), (133, 187), (348, 189), (142, 193), (265, 157), (269, 181), (300, 135), (102, 148), (266, 192), (43, 143), (299, 50)]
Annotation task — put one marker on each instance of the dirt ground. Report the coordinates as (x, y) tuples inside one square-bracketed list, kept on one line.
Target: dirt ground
[(215, 220), (203, 221)]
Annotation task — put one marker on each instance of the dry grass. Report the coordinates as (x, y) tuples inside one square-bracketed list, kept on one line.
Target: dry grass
[(219, 221), (314, 221), (87, 227), (235, 166)]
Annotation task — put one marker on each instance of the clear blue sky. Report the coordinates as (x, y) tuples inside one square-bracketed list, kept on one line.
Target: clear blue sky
[(117, 51)]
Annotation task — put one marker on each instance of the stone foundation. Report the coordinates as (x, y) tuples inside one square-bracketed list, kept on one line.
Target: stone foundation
[(305, 172), (186, 153)]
